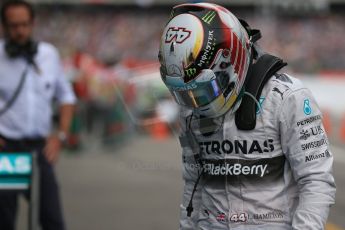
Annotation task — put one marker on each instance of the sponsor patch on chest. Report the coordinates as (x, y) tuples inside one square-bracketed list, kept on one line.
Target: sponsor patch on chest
[(236, 146), (236, 169)]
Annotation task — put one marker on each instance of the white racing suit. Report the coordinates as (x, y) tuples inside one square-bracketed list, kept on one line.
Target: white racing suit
[(275, 177)]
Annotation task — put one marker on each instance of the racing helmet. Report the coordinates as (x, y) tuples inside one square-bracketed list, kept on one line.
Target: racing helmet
[(204, 57)]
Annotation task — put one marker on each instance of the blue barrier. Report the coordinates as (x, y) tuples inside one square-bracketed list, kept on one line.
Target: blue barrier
[(15, 170), (20, 172)]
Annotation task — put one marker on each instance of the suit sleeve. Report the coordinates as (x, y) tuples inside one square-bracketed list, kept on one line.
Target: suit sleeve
[(190, 174), (306, 147)]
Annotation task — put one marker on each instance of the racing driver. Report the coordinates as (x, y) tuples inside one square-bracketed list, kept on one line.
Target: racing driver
[(255, 152)]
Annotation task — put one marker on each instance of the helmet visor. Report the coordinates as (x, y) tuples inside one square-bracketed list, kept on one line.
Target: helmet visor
[(206, 87), (200, 96)]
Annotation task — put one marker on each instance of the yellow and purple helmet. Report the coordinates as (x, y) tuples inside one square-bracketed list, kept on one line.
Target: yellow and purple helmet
[(204, 54)]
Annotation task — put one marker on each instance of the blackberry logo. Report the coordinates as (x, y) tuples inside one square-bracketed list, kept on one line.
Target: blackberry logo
[(235, 169)]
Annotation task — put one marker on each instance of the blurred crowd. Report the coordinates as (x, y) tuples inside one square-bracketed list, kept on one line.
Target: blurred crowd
[(110, 35), (309, 43)]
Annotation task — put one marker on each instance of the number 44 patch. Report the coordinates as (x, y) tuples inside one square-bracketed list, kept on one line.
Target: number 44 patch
[(239, 217)]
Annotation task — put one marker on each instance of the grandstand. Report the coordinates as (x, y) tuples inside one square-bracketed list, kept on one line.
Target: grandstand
[(308, 34)]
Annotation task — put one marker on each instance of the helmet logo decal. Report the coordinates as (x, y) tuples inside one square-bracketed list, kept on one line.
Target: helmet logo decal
[(226, 53), (209, 16), (209, 49), (172, 48), (174, 71), (237, 56), (178, 35), (190, 72)]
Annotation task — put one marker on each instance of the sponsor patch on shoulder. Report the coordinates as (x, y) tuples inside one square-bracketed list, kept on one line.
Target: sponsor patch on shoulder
[(314, 144), (313, 157), (308, 120), (313, 131), (306, 107)]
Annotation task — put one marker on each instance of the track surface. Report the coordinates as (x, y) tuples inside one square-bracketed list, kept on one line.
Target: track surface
[(138, 186)]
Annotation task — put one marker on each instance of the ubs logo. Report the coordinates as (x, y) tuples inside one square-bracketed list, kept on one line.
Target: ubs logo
[(313, 131)]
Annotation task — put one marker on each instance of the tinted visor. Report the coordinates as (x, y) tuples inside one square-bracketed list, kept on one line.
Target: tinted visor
[(206, 87), (204, 94)]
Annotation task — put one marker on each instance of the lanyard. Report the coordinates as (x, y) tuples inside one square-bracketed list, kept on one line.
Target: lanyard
[(16, 93)]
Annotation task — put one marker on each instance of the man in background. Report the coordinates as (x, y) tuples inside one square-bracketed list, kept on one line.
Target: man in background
[(31, 78)]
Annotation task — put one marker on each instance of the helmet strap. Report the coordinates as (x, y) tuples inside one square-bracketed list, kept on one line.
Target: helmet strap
[(265, 67), (254, 35)]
